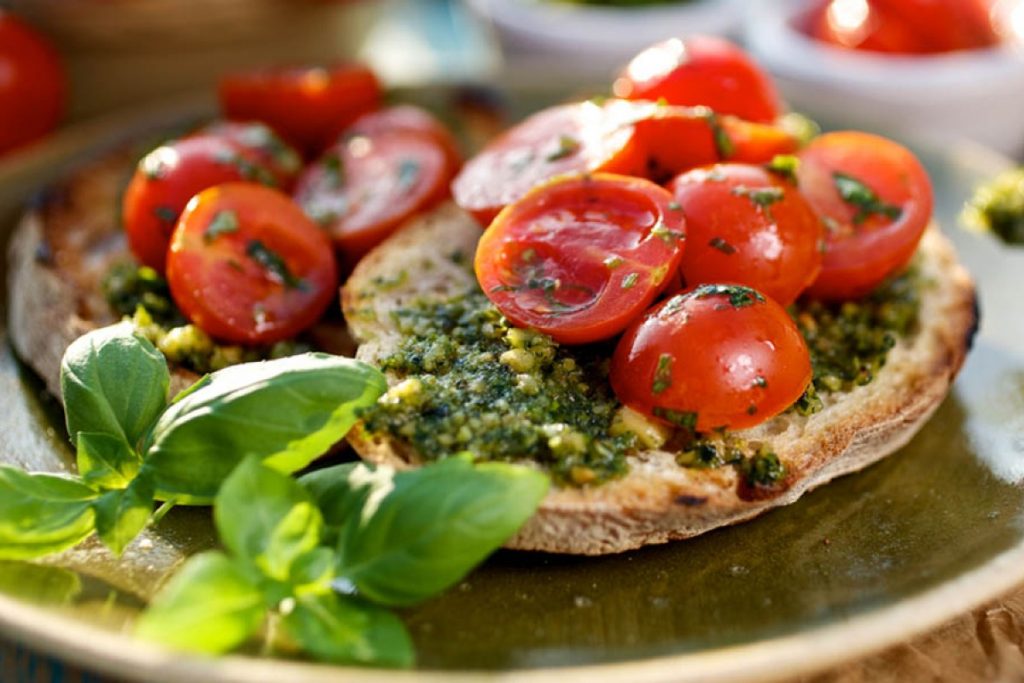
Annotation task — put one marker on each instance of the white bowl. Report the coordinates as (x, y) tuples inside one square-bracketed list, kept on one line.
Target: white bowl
[(975, 94), (565, 39)]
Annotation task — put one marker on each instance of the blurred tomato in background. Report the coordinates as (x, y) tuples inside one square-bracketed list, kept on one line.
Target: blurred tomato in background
[(33, 86), (904, 26)]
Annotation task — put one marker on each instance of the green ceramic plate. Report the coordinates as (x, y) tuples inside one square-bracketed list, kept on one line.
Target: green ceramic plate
[(868, 560)]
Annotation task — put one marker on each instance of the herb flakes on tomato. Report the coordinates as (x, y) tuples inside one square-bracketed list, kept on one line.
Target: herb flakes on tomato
[(582, 256), (717, 356)]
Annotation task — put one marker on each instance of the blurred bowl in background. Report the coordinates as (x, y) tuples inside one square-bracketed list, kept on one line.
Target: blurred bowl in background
[(974, 94), (563, 41), (124, 52)]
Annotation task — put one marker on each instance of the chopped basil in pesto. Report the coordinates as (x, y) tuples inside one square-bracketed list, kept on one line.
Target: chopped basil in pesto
[(471, 382), (998, 207)]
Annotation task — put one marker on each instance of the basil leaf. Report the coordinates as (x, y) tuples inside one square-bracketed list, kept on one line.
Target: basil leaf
[(346, 630), (266, 519), (421, 531), (287, 412), (122, 514), (114, 382), (210, 606), (42, 513), (39, 583), (340, 492), (105, 461)]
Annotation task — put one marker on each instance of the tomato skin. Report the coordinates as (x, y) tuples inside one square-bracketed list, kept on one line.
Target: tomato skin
[(860, 253), (580, 257), (583, 137), (772, 244), (221, 286), (701, 70), (406, 117), (168, 177), (676, 139), (283, 160), (33, 84), (307, 106), (365, 187), (905, 26), (733, 366)]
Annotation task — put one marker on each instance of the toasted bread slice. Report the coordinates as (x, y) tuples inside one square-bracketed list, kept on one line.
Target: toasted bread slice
[(58, 257), (658, 500)]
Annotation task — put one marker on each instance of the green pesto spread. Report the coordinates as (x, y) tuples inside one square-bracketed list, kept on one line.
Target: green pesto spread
[(998, 207), (475, 383), (139, 294), (469, 381)]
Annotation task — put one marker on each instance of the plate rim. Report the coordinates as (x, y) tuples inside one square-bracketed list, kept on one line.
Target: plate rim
[(93, 647)]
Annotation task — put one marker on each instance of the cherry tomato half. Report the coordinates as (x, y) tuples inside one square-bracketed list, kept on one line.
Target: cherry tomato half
[(714, 356), (247, 266), (580, 257), (168, 177), (362, 189), (406, 117), (308, 106), (676, 139), (283, 160), (33, 86), (876, 201), (701, 70), (584, 137), (749, 226)]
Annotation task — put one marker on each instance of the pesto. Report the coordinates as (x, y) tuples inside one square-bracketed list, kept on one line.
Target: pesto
[(849, 341), (472, 382), (998, 207), (469, 381)]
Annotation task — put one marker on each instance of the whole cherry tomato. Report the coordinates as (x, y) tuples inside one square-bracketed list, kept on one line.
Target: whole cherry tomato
[(582, 256), (364, 187), (283, 160), (33, 86), (307, 106), (714, 356), (169, 176), (701, 70), (876, 201), (247, 266), (585, 137), (749, 226), (406, 117)]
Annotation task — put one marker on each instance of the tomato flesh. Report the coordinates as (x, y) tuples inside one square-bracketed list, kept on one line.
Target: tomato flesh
[(749, 226), (283, 160), (585, 137), (308, 106), (363, 188), (701, 70), (168, 177), (406, 117), (582, 256), (248, 267), (33, 85), (717, 356), (876, 201)]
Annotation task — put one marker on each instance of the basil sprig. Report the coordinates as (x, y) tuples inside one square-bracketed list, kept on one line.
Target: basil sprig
[(132, 448), (313, 563), (386, 538)]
